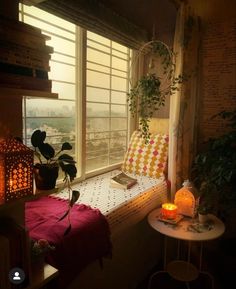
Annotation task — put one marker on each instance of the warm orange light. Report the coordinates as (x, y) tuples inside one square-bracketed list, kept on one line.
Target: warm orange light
[(169, 211)]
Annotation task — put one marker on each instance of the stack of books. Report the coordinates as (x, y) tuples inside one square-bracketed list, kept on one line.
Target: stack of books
[(24, 56)]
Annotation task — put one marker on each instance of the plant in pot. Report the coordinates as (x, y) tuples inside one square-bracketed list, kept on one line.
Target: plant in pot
[(49, 162), (214, 170), (149, 93), (203, 209)]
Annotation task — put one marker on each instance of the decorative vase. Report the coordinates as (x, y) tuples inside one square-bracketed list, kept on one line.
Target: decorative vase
[(45, 176)]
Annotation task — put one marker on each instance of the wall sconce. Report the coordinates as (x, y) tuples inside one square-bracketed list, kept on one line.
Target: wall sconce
[(16, 170), (185, 200)]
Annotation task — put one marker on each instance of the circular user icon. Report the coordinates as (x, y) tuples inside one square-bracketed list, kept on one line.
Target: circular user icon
[(16, 275)]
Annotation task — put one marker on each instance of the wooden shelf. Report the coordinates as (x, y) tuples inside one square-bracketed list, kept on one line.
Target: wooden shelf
[(5, 91)]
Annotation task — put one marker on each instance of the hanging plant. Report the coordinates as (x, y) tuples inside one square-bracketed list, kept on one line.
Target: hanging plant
[(150, 91)]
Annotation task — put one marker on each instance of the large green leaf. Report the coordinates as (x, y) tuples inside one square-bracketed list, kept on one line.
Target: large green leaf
[(71, 170), (66, 158), (74, 198), (38, 137), (66, 146), (47, 151)]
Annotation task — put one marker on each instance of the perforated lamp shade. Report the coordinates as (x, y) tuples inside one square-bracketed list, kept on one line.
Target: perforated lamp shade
[(186, 200), (16, 170)]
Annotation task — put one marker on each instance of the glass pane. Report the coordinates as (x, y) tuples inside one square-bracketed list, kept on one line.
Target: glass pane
[(98, 67), (55, 117), (118, 83), (116, 158), (97, 135), (49, 108), (118, 123), (119, 134), (118, 145), (96, 163), (98, 46), (98, 38), (62, 58), (119, 73), (97, 125), (118, 97), (61, 71), (48, 28), (98, 79), (62, 45), (97, 94), (119, 47), (49, 17), (119, 54), (97, 109), (64, 90), (98, 57), (96, 148), (118, 110), (119, 63), (96, 154)]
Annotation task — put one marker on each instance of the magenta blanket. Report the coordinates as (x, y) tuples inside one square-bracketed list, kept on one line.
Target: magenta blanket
[(88, 240)]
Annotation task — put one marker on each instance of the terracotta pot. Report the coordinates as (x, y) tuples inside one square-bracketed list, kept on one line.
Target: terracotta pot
[(45, 176)]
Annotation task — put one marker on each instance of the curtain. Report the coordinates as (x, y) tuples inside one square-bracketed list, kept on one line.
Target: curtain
[(184, 103)]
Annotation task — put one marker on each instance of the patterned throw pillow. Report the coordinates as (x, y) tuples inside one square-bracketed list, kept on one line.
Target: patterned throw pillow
[(146, 159)]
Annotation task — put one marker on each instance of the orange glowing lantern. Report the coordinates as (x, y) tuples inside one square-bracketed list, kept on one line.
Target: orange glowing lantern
[(169, 211), (16, 170), (186, 199)]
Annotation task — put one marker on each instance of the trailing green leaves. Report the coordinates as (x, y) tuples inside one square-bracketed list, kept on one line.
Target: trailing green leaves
[(150, 91), (72, 201)]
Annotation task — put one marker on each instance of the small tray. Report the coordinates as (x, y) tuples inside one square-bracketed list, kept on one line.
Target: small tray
[(171, 221)]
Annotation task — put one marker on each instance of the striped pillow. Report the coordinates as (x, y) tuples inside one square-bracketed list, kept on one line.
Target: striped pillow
[(146, 159)]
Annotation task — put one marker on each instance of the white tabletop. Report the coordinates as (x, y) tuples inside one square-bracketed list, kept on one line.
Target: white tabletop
[(182, 230)]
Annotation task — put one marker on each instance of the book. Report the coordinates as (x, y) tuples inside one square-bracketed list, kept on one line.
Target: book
[(122, 181)]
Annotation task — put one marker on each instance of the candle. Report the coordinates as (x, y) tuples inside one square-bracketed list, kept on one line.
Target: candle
[(169, 211)]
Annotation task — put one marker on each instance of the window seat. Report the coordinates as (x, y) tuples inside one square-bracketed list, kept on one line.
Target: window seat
[(122, 208)]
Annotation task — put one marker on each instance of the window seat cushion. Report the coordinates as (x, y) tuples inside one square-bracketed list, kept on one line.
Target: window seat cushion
[(122, 208)]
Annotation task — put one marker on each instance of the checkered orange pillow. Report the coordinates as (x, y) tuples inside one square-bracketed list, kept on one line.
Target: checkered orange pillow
[(146, 159)]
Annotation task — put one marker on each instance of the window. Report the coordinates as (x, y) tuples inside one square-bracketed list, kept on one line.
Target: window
[(104, 122)]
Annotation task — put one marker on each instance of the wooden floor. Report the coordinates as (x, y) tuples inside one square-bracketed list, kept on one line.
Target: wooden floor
[(219, 261)]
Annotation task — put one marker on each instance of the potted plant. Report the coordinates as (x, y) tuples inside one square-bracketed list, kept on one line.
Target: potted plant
[(214, 170), (49, 162), (149, 93), (203, 209)]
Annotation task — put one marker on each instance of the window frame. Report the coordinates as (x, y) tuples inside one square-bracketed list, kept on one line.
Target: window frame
[(81, 102)]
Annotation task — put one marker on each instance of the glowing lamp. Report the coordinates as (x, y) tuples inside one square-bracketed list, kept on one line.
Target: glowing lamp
[(169, 211), (16, 170), (185, 200)]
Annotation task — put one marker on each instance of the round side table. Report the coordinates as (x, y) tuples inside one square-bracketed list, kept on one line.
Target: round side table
[(190, 230)]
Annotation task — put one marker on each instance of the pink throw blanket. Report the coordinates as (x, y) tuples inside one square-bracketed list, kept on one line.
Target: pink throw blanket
[(88, 240)]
